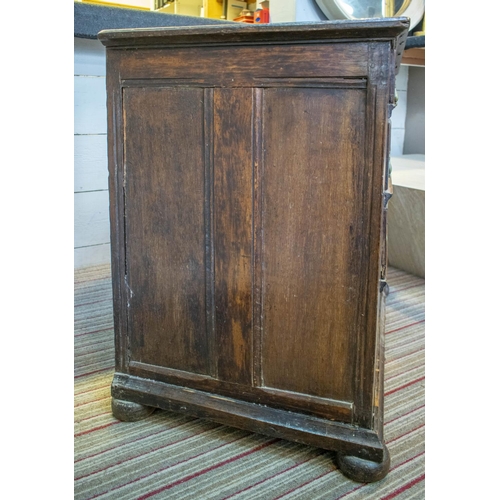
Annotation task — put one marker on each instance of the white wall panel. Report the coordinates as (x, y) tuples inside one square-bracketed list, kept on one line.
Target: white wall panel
[(91, 218), (398, 117), (90, 105), (397, 141), (91, 166), (402, 78), (91, 228), (92, 256), (90, 57)]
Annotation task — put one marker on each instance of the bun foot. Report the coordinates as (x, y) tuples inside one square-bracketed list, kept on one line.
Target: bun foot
[(361, 470), (127, 411)]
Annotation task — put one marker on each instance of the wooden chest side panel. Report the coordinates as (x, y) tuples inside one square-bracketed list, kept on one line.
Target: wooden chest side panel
[(248, 211), (164, 219), (314, 228)]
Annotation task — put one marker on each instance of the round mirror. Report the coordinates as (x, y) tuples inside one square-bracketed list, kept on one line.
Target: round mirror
[(368, 9)]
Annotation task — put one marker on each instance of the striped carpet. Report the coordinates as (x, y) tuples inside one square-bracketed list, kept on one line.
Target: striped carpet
[(178, 457)]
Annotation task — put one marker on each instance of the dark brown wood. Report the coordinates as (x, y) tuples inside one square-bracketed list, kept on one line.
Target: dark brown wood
[(165, 226), (248, 181), (311, 244), (394, 29), (233, 234), (323, 433), (364, 470), (223, 66), (128, 411)]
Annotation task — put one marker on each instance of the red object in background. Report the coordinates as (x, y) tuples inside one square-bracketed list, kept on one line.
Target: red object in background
[(261, 16), (245, 17)]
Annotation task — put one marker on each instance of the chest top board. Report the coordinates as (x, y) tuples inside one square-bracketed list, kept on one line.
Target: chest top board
[(248, 170)]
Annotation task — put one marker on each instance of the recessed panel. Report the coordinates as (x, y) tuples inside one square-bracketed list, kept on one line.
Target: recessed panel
[(314, 230), (165, 227), (233, 233)]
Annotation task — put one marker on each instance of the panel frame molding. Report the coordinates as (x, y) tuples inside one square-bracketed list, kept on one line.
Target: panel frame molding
[(356, 412)]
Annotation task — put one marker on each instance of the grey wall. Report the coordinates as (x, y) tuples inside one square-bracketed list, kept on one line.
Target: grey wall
[(414, 142)]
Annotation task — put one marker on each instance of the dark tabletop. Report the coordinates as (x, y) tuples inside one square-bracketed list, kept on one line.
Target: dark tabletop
[(90, 19)]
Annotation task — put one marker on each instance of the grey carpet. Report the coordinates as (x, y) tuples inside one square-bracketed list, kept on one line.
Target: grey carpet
[(171, 456)]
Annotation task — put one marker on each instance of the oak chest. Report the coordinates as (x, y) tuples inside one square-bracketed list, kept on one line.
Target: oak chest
[(248, 189)]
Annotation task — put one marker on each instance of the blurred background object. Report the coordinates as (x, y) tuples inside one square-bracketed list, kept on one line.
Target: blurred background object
[(362, 9)]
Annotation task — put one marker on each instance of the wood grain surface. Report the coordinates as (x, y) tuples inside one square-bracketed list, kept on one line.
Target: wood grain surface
[(312, 233), (165, 229)]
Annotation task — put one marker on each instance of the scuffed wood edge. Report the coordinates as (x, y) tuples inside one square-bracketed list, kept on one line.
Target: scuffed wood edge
[(254, 34), (282, 424)]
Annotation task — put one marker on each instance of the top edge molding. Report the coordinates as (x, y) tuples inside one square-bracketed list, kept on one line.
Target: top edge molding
[(387, 28)]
